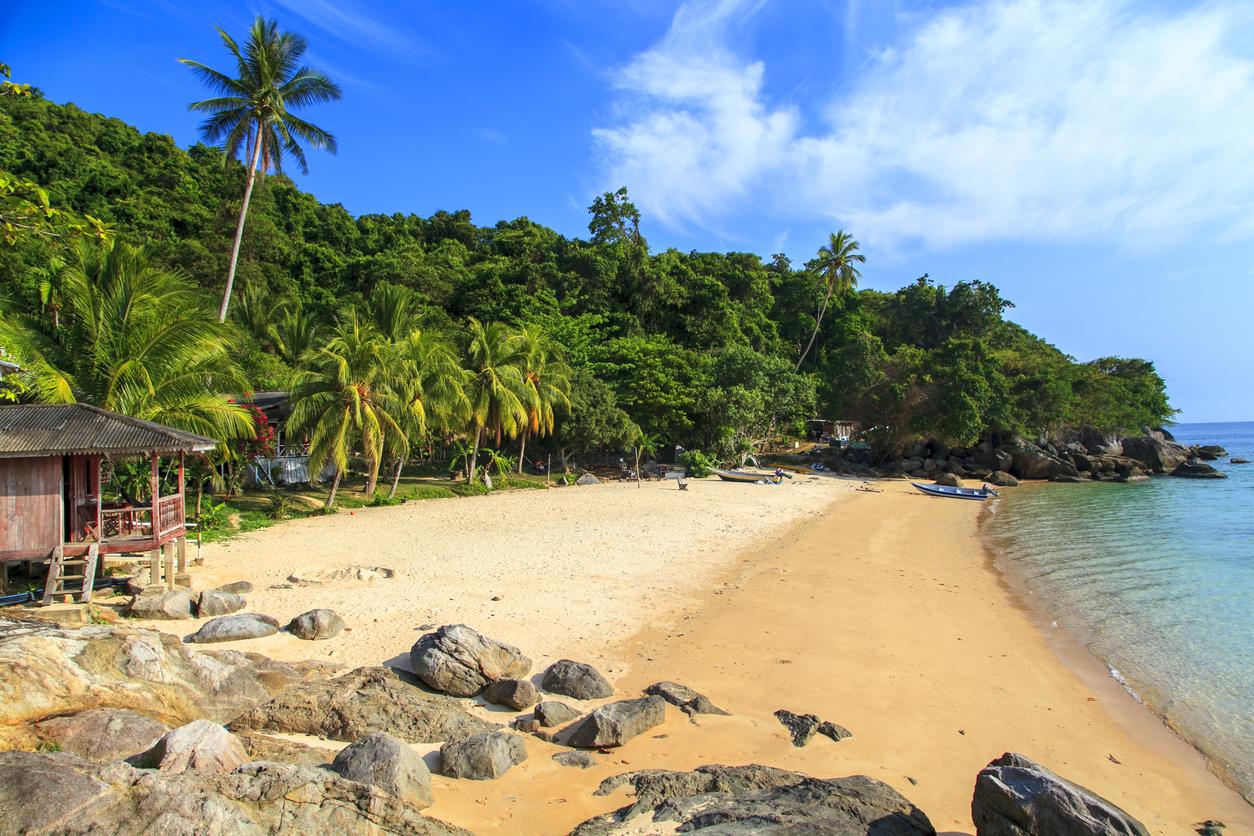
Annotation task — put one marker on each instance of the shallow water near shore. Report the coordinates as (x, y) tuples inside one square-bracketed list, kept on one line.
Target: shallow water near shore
[(1157, 580)]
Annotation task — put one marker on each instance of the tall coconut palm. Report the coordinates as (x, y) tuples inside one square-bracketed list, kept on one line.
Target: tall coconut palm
[(394, 311), (431, 387), (835, 263), (294, 333), (251, 115), (345, 400), (494, 390), (546, 384), (134, 338)]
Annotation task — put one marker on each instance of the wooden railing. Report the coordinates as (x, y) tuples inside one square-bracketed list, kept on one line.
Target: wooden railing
[(126, 522), (169, 514)]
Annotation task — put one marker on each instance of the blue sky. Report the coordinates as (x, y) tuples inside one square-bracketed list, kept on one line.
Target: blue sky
[(1092, 159)]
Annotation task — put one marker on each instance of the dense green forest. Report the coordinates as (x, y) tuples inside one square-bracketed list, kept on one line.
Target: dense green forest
[(696, 348)]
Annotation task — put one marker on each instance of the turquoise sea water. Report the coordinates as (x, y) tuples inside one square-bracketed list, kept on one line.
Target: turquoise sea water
[(1158, 580)]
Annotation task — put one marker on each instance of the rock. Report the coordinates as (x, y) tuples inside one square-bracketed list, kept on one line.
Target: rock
[(1031, 462), (366, 700), (1198, 470), (1100, 443), (236, 588), (256, 798), (686, 699), (581, 760), (1158, 455), (587, 479), (1067, 479), (199, 746), (230, 628), (833, 731), (482, 757), (316, 625), (757, 799), (552, 713), (1238, 461), (614, 724), (161, 606), (517, 694), (949, 479), (996, 459), (366, 574), (213, 603), (461, 661), (526, 723), (263, 747), (383, 761), (576, 679), (1208, 452), (1015, 796), (801, 727), (103, 735), (1001, 479)]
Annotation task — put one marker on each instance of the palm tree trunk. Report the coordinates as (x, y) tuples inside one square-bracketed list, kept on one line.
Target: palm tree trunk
[(818, 323), (239, 230), (335, 486), (638, 480), (474, 457), (522, 452), (396, 479), (372, 482)]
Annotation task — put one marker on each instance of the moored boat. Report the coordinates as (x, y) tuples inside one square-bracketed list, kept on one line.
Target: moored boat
[(981, 493), (751, 476)]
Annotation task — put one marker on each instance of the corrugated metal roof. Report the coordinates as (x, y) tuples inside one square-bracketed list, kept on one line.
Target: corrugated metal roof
[(54, 429)]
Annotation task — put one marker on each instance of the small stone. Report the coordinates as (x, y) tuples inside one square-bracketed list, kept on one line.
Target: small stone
[(582, 760), (482, 757), (801, 727), (236, 588), (213, 602), (835, 732), (684, 698), (517, 694), (552, 713), (316, 625)]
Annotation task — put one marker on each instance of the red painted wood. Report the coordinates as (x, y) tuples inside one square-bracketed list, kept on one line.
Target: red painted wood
[(30, 503)]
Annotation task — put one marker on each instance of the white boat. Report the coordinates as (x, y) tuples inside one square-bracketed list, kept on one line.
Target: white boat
[(752, 476)]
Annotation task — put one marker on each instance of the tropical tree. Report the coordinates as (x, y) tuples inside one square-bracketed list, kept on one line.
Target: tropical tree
[(644, 444), (431, 388), (251, 113), (345, 400), (835, 264), (495, 391), (294, 333), (546, 384), (132, 337)]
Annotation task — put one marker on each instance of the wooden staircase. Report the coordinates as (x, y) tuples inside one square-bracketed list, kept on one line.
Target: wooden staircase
[(80, 571)]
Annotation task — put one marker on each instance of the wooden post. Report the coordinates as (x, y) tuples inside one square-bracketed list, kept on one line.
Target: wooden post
[(181, 576), (167, 555), (155, 481), (99, 502), (154, 568)]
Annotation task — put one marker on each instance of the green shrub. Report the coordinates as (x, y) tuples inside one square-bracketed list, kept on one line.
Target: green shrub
[(699, 465)]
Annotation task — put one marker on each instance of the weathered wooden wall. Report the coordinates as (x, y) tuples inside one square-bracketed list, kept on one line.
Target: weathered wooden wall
[(30, 507)]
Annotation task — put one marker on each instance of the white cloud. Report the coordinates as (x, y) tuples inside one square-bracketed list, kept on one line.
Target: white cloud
[(1070, 121)]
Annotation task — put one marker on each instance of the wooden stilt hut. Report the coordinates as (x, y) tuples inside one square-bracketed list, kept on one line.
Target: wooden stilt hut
[(51, 498)]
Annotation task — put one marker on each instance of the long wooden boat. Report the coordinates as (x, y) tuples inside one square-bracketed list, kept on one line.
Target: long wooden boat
[(750, 476), (979, 494)]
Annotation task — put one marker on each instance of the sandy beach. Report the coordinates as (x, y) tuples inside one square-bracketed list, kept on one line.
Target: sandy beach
[(877, 611)]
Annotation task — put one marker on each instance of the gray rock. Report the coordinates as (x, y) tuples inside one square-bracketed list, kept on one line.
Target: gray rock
[(366, 700), (236, 588), (614, 724), (1156, 454), (1208, 452), (517, 694), (1238, 460), (552, 713), (948, 479), (1032, 462), (1100, 443), (1015, 796), (757, 800), (1197, 470), (482, 757), (576, 679), (230, 628), (580, 760), (389, 764), (256, 798), (587, 479), (161, 606), (461, 661), (833, 731), (684, 698), (103, 735), (263, 747), (801, 727), (199, 746), (1001, 479), (316, 625), (213, 603)]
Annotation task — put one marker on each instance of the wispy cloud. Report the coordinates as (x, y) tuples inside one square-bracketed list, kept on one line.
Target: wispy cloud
[(1097, 120)]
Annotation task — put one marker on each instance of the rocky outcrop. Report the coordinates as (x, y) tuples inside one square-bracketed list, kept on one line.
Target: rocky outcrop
[(758, 799), (684, 698), (1208, 452), (366, 700), (1158, 455), (517, 694), (614, 724), (316, 625), (387, 763), (199, 746), (256, 798), (263, 747), (1001, 479), (101, 734), (949, 480), (1015, 796), (482, 757), (236, 588), (161, 606), (461, 661), (1238, 460), (214, 602), (550, 713), (1033, 462), (230, 628), (1198, 470), (576, 679), (802, 727)]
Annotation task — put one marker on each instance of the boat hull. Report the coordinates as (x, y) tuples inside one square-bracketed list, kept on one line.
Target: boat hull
[(978, 494), (746, 477)]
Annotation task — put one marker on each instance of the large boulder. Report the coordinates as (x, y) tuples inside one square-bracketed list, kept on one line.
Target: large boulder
[(316, 625), (1015, 796), (1197, 470), (389, 764), (512, 693), (1159, 455), (1001, 479), (482, 757), (60, 793), (949, 480), (161, 606), (552, 713), (1032, 462), (461, 661), (684, 698), (199, 746), (576, 679), (231, 628), (1208, 452), (614, 724), (757, 799), (103, 735), (213, 602), (1100, 443), (366, 700)]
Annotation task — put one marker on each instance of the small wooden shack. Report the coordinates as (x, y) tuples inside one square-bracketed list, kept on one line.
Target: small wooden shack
[(51, 497)]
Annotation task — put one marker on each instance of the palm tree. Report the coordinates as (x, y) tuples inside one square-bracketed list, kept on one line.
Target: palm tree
[(394, 311), (495, 390), (431, 387), (134, 338), (835, 264), (252, 113), (546, 384), (644, 444), (257, 311), (294, 333), (345, 400)]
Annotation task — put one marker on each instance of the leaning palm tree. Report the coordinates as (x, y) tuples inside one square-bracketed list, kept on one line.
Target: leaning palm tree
[(345, 400), (495, 389), (251, 115), (431, 388), (835, 264), (132, 337), (546, 384)]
